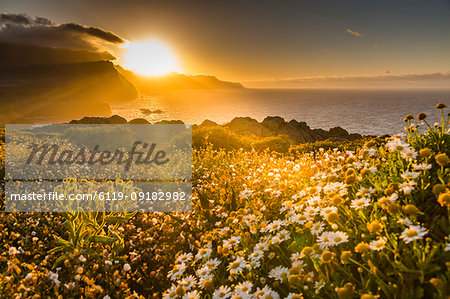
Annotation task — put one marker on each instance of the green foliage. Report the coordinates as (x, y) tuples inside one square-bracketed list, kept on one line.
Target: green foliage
[(223, 138), (325, 145)]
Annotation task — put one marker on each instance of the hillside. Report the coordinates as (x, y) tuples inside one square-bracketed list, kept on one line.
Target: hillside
[(61, 90), (175, 81)]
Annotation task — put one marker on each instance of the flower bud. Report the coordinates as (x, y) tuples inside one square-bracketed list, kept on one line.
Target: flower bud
[(374, 227), (442, 159), (438, 189), (411, 210), (425, 152), (307, 251), (421, 116), (327, 256), (438, 283), (346, 292), (362, 247), (332, 217), (444, 199), (345, 256)]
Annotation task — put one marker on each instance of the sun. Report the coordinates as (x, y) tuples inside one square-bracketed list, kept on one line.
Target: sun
[(150, 58)]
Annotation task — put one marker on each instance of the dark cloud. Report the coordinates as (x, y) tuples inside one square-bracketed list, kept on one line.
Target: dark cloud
[(11, 19), (39, 31), (92, 31)]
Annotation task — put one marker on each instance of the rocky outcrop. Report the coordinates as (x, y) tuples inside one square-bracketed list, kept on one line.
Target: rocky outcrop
[(249, 126), (208, 123), (115, 119), (299, 132)]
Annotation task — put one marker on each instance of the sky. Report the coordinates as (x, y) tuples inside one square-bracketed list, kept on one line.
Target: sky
[(274, 42)]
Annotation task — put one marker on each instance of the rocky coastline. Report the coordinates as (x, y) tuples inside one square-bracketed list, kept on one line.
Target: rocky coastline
[(271, 126)]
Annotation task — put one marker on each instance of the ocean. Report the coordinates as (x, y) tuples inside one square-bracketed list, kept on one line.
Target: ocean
[(368, 112)]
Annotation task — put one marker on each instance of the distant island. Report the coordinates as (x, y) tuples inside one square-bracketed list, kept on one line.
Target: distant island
[(175, 81)]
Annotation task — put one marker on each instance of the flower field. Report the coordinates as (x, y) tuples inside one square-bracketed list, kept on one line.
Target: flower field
[(368, 223)]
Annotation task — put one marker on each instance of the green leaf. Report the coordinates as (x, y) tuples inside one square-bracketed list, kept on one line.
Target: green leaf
[(59, 261), (103, 239), (203, 201)]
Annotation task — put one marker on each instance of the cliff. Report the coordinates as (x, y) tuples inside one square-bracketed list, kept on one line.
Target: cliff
[(61, 90)]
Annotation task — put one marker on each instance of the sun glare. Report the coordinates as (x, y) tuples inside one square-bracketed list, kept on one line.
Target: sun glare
[(149, 58)]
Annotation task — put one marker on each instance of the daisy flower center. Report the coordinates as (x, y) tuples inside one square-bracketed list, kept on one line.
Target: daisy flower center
[(411, 233)]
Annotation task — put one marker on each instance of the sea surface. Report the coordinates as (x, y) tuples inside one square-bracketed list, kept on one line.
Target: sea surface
[(358, 111)]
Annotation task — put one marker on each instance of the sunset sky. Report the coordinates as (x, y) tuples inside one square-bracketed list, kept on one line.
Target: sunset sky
[(262, 40)]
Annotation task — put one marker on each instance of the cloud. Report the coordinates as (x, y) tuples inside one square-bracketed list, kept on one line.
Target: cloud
[(11, 19), (39, 31), (354, 33)]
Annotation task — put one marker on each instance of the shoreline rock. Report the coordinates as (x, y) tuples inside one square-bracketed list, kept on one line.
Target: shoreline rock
[(271, 126)]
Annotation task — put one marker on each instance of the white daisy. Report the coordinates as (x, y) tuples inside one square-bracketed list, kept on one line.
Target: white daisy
[(317, 228), (188, 282), (183, 258), (176, 272), (378, 244), (414, 232), (338, 237), (244, 287), (266, 292), (203, 272), (360, 203), (279, 273), (212, 263), (237, 266), (423, 166), (222, 292), (408, 154), (409, 175), (231, 242), (192, 295), (203, 253)]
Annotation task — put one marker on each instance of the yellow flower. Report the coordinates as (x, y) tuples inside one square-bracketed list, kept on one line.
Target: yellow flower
[(180, 291), (208, 284), (425, 152), (420, 116), (327, 256), (350, 179), (362, 247), (411, 210), (375, 227), (438, 283), (438, 189), (332, 217), (345, 256), (444, 199), (307, 251), (295, 281), (346, 292), (442, 159)]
